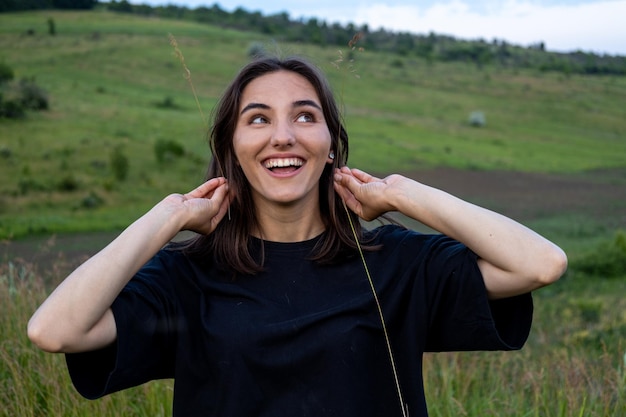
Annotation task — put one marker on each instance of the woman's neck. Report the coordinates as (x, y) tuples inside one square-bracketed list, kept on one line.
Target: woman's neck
[(289, 222)]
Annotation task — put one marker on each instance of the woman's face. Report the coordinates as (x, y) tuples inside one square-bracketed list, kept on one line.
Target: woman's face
[(281, 140)]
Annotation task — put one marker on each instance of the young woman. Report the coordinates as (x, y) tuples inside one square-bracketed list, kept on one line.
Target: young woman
[(269, 311)]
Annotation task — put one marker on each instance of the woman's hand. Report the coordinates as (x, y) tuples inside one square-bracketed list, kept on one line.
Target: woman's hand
[(203, 208), (369, 197)]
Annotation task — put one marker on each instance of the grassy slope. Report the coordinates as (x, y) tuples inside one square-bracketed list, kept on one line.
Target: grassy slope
[(105, 73)]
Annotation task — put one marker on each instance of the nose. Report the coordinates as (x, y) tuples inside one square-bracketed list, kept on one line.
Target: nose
[(283, 134)]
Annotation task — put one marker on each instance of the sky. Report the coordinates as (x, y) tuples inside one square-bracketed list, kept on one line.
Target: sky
[(562, 25)]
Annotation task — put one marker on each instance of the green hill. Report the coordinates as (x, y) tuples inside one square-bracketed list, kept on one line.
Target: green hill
[(123, 128)]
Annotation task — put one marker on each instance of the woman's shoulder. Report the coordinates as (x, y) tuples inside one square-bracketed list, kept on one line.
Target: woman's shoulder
[(390, 233), (394, 236), (171, 258)]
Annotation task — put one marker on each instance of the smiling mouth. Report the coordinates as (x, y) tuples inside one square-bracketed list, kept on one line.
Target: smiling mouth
[(283, 164)]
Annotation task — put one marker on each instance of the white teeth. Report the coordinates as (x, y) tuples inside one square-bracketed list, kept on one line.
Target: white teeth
[(283, 162)]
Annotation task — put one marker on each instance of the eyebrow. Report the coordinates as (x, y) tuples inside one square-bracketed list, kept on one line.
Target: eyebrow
[(252, 106), (298, 103), (305, 103)]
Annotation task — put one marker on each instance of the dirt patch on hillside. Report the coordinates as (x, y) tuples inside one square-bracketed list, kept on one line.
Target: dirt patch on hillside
[(599, 195), (528, 196)]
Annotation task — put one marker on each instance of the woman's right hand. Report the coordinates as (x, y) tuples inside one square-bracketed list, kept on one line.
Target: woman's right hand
[(202, 209)]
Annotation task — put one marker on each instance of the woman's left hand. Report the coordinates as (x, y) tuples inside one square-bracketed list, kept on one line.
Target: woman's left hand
[(368, 196)]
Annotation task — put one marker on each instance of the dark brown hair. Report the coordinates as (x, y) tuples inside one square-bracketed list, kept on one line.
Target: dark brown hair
[(229, 243)]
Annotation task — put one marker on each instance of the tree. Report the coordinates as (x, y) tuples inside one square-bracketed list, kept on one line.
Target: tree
[(121, 6), (15, 5), (74, 4)]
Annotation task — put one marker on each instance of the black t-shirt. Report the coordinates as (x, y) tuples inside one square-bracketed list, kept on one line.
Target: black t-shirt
[(301, 339)]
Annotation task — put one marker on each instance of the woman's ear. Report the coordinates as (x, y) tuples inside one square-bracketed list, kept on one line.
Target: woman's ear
[(331, 156)]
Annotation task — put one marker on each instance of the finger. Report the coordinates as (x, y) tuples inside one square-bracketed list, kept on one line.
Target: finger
[(206, 188), (363, 176), (221, 213), (221, 194), (346, 195), (340, 189), (346, 171), (347, 180)]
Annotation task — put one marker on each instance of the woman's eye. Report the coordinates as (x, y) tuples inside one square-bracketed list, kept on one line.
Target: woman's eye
[(258, 120), (305, 117)]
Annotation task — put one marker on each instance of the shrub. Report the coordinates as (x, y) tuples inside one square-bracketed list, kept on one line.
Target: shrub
[(607, 260), (68, 183), (92, 201), (397, 63), (477, 119), (167, 150), (33, 97), (51, 27), (28, 184), (119, 164), (108, 184), (167, 103), (256, 50), (16, 98), (11, 108), (6, 73)]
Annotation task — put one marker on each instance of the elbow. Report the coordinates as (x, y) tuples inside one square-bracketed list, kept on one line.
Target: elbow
[(553, 266), (40, 335)]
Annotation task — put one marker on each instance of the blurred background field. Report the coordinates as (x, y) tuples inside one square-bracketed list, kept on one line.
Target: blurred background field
[(122, 130)]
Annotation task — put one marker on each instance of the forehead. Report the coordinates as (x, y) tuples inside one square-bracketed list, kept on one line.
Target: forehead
[(276, 85)]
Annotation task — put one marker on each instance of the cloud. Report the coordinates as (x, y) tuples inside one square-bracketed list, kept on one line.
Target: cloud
[(597, 26), (563, 25)]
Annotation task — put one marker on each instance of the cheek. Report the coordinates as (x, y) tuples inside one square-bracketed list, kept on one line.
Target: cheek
[(244, 156), (247, 142)]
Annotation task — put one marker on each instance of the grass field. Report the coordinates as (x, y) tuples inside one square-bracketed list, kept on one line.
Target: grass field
[(114, 82), (573, 365), (115, 85)]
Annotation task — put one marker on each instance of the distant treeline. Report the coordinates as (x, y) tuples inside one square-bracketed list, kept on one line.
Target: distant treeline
[(431, 46), (17, 5)]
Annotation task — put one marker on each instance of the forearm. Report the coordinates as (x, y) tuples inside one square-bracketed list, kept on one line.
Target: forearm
[(76, 315), (513, 258)]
